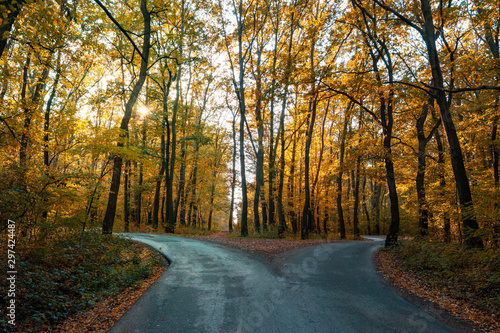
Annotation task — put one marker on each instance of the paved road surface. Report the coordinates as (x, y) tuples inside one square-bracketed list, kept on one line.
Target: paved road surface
[(327, 288)]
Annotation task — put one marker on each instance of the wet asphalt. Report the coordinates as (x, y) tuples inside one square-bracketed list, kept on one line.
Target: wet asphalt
[(326, 288)]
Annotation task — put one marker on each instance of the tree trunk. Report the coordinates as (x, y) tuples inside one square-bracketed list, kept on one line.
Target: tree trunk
[(281, 134), (126, 197), (163, 152), (169, 177), (355, 219), (241, 94), (377, 193), (365, 208), (214, 180), (46, 127), (193, 207), (442, 185), (233, 180), (340, 174), (109, 218), (180, 201), (307, 213), (392, 236), (291, 187), (259, 174), (469, 221)]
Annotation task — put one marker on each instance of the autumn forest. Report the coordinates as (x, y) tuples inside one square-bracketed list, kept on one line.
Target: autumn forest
[(299, 117)]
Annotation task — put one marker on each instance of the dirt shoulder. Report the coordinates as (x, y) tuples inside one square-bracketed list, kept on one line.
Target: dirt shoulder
[(458, 314), (270, 249)]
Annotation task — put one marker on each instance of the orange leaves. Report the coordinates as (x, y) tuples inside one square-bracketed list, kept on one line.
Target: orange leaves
[(390, 266), (108, 311), (270, 249)]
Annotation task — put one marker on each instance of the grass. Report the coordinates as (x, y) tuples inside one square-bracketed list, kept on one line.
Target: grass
[(57, 278), (472, 275)]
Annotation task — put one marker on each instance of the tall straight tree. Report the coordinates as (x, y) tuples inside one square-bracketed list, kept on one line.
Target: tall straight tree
[(109, 217), (170, 220), (165, 89), (430, 32), (245, 44), (307, 213)]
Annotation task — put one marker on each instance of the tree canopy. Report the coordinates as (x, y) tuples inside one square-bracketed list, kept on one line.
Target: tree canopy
[(317, 117)]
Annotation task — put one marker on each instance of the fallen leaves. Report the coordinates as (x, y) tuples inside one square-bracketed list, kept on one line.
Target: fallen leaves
[(108, 311), (394, 272), (270, 249)]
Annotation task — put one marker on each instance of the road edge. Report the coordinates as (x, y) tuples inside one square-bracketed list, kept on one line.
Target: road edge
[(409, 294)]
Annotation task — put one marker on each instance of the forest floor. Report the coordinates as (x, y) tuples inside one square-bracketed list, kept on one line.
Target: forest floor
[(107, 312), (437, 293), (270, 249), (70, 284)]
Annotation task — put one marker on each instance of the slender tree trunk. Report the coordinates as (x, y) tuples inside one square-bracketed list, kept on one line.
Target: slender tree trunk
[(126, 197), (241, 62), (493, 41), (469, 220), (46, 124), (291, 188), (259, 174), (392, 236), (495, 151), (281, 134), (109, 218), (214, 180), (181, 187), (365, 207), (193, 207), (46, 127), (307, 213), (233, 180), (29, 106), (442, 185), (355, 219), (163, 163), (377, 193), (423, 210), (326, 216), (139, 189), (340, 210), (171, 218)]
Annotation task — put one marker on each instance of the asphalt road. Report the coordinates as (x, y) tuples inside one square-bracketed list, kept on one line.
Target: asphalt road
[(327, 288)]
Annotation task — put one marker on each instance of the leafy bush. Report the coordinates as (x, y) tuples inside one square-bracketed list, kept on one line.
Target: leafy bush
[(57, 278)]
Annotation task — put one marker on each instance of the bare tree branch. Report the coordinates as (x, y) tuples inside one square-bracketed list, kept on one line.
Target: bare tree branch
[(118, 25)]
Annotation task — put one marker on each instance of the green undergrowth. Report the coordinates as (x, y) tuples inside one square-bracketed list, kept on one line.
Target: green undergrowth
[(57, 278), (472, 275)]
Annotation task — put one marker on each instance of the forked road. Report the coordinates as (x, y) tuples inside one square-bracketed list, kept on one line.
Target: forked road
[(327, 288)]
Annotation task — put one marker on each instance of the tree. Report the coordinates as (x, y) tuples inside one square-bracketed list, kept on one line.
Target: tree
[(109, 218), (242, 23), (429, 33)]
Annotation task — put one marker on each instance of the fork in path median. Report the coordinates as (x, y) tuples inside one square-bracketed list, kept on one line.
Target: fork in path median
[(325, 288)]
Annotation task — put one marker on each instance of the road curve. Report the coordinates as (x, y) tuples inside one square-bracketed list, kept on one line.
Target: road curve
[(326, 288)]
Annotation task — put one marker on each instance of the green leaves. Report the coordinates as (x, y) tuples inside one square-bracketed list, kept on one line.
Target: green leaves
[(59, 278)]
